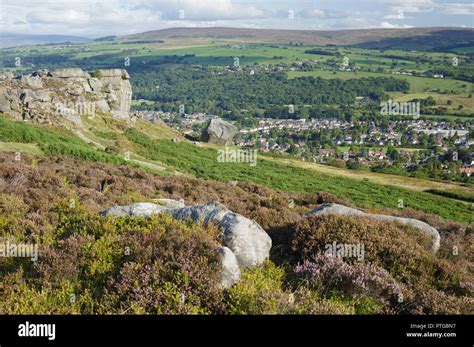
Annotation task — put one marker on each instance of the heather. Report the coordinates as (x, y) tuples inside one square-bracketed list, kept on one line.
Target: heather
[(398, 270), (360, 281), (89, 264), (93, 264)]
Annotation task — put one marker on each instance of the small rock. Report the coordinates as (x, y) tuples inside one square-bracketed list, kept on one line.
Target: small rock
[(7, 75), (43, 95), (31, 81), (69, 73), (95, 84), (27, 96), (102, 105), (76, 91)]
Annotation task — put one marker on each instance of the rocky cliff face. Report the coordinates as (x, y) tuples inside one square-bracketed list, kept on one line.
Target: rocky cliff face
[(52, 96)]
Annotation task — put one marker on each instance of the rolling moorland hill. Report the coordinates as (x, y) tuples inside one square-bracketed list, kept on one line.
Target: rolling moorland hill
[(61, 175), (410, 38)]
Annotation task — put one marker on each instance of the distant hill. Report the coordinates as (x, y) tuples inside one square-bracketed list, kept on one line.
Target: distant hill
[(12, 40), (411, 38)]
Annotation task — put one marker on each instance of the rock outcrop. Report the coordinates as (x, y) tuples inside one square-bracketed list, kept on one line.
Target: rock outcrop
[(344, 210), (246, 243), (219, 132), (52, 96)]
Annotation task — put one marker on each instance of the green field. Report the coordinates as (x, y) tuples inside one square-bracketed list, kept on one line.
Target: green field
[(450, 101), (222, 53), (417, 84)]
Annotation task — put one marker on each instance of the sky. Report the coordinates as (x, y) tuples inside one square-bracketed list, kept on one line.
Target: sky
[(96, 18)]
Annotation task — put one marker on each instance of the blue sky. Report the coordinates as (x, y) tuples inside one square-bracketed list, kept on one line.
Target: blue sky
[(94, 18)]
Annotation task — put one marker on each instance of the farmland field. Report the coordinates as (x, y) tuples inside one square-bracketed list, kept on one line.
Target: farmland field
[(417, 84)]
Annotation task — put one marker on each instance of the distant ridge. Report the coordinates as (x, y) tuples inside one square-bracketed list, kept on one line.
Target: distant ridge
[(13, 40), (438, 36)]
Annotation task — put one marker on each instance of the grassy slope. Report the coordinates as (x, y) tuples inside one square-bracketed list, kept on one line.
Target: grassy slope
[(202, 162), (412, 183), (151, 146), (20, 147)]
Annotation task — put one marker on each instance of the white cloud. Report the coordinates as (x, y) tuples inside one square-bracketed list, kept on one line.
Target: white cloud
[(46, 16), (401, 15), (387, 25), (412, 6), (316, 13), (459, 9), (203, 9)]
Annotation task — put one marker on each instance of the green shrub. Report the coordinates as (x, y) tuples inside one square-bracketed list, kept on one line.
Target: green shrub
[(267, 290), (96, 74)]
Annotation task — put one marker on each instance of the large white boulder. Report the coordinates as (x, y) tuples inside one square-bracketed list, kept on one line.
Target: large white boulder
[(246, 244), (415, 223), (247, 240)]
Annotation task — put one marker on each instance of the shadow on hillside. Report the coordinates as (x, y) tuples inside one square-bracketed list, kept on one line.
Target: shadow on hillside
[(440, 40)]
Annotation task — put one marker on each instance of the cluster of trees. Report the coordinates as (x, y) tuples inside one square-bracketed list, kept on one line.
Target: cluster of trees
[(464, 71), (321, 52), (436, 167), (238, 94)]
